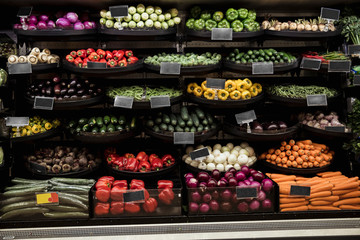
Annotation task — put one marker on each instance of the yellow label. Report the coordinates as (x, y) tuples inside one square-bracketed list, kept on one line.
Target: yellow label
[(46, 198)]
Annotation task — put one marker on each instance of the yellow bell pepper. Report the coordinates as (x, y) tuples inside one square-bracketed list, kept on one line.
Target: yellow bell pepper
[(198, 91), (223, 94), (35, 129), (241, 86), (48, 126), (209, 94), (191, 87), (258, 87), (248, 83), (23, 132), (203, 86), (245, 95), (235, 95), (253, 91), (230, 85)]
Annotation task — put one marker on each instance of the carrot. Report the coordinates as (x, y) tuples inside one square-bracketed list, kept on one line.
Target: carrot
[(284, 178), (320, 203), (305, 165), (297, 204), (320, 194), (350, 195), (345, 191), (271, 151), (345, 186), (285, 166), (316, 164), (284, 160), (305, 142), (301, 146), (294, 164), (295, 148), (277, 152), (283, 143), (284, 189), (325, 187), (307, 148), (294, 209), (295, 154), (348, 201), (349, 207), (326, 157), (268, 156), (311, 159), (301, 152), (292, 142), (289, 163), (353, 179), (299, 166), (278, 160), (288, 153), (273, 157), (304, 157), (285, 200), (322, 208), (282, 148), (291, 158), (276, 175), (311, 165), (282, 155), (328, 199)]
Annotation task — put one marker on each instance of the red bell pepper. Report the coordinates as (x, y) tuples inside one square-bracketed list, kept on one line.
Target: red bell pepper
[(132, 207), (85, 61), (144, 166), (103, 60), (150, 205), (137, 184), (117, 208), (78, 62), (120, 183), (129, 155), (109, 178), (89, 51), (128, 53), (73, 54), (168, 160), (101, 53), (111, 63), (101, 209), (118, 54), (108, 55), (70, 58), (132, 165), (166, 196), (132, 60), (122, 63), (94, 57), (111, 158), (120, 163), (102, 194), (103, 184), (152, 157), (156, 164), (162, 184), (117, 193), (142, 156), (81, 53), (109, 150)]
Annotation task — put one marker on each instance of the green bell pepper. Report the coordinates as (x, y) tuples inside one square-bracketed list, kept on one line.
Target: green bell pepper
[(210, 24), (205, 15), (199, 24), (195, 12), (231, 14), (250, 25), (237, 26), (224, 24), (243, 13), (218, 16), (252, 15), (256, 26), (190, 23)]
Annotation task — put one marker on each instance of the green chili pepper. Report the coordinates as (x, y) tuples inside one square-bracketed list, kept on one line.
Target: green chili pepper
[(205, 15), (210, 24), (252, 15), (231, 14), (190, 23), (237, 26), (195, 12), (199, 24), (218, 16), (243, 13), (224, 24)]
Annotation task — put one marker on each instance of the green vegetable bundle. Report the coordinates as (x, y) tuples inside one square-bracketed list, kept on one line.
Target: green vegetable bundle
[(101, 124), (140, 93), (351, 28), (354, 124), (186, 60), (260, 55), (295, 91), (142, 17), (239, 20), (188, 120)]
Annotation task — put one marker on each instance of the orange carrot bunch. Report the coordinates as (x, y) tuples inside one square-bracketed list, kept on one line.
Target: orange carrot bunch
[(328, 191), (300, 154)]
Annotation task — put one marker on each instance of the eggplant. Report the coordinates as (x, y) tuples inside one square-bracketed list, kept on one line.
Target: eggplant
[(72, 91), (257, 126), (72, 84), (81, 92), (63, 91), (86, 82), (273, 126), (28, 93), (282, 125), (57, 89), (78, 85), (95, 94), (91, 91), (59, 98), (63, 84), (49, 91), (66, 97), (85, 96), (32, 86), (73, 97), (40, 84), (92, 85), (43, 90)]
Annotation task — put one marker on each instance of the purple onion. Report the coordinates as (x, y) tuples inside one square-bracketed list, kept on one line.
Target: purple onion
[(228, 175), (79, 26), (258, 176), (192, 183), (31, 26), (72, 17), (44, 18), (203, 185), (240, 176), (267, 185), (226, 195), (51, 24), (243, 207), (195, 196), (221, 183), (251, 179), (88, 25), (188, 175), (261, 195), (234, 199), (204, 208), (216, 174), (203, 176), (17, 26), (41, 25), (241, 184), (247, 182), (254, 205), (226, 206), (245, 170), (193, 207), (212, 182), (63, 23), (93, 24), (266, 204), (215, 195), (223, 178), (214, 205), (23, 20), (232, 182), (252, 171), (255, 184), (232, 170), (207, 198), (32, 19)]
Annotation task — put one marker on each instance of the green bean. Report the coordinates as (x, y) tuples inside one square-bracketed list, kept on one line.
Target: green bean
[(295, 91)]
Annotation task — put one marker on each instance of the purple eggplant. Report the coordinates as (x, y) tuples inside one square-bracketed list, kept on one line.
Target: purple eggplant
[(49, 91), (48, 83), (272, 126), (282, 125), (73, 97), (257, 126), (91, 91), (40, 84), (63, 91), (81, 92), (79, 85), (71, 91), (72, 84), (85, 96), (99, 90), (66, 97)]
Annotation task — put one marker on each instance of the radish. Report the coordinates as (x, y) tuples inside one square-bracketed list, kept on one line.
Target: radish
[(307, 25), (284, 26), (300, 25), (293, 26), (265, 24), (314, 26)]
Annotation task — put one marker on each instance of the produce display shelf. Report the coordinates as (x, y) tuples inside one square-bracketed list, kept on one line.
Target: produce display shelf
[(78, 174), (278, 68), (137, 32), (188, 70), (297, 171), (55, 32), (327, 134), (303, 34), (48, 134), (71, 104), (146, 104), (235, 35), (103, 138), (297, 102)]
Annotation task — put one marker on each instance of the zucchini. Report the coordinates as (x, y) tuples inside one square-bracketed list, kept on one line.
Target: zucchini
[(122, 120), (190, 123), (184, 113), (206, 128), (200, 128), (133, 123), (85, 128), (193, 129), (195, 119), (179, 129), (156, 129), (119, 128), (268, 52), (106, 120), (72, 124), (92, 121), (25, 212), (18, 205), (200, 113), (213, 126), (78, 129), (110, 128), (74, 181), (113, 120), (166, 118), (186, 129), (82, 121), (210, 118), (173, 119), (205, 122), (66, 215), (99, 121), (163, 127), (103, 129), (158, 120), (171, 128), (150, 123), (180, 121)]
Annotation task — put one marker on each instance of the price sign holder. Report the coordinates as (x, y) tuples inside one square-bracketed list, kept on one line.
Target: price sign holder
[(199, 154), (123, 102), (354, 49), (356, 80), (316, 100), (262, 68), (246, 117), (246, 192), (96, 65), (44, 103), (37, 167), (184, 138), (296, 190), (170, 68), (216, 83), (19, 68), (49, 198), (339, 66), (24, 12), (330, 13), (135, 196), (119, 11), (335, 128), (17, 121), (310, 64), (160, 101), (222, 34)]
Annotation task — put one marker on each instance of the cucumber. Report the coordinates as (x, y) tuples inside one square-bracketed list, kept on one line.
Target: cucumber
[(83, 121), (173, 119), (99, 121), (113, 120), (158, 120), (18, 205), (156, 128), (187, 129), (184, 113), (103, 129), (110, 128), (210, 118), (64, 209), (205, 122), (193, 129), (106, 120), (95, 130), (179, 129), (206, 128), (150, 123), (166, 118), (85, 128), (16, 199), (119, 128), (268, 52), (163, 127), (180, 121), (200, 128), (22, 192), (92, 122), (171, 128), (24, 212), (60, 214), (122, 120), (65, 200), (69, 188), (195, 119), (82, 198), (200, 113), (78, 129), (190, 123)]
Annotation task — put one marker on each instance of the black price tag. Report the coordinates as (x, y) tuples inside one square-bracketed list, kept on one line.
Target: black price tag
[(184, 138), (17, 121), (134, 196), (316, 100), (296, 190), (217, 83), (19, 68), (330, 13), (170, 68), (245, 117), (310, 63), (160, 101), (246, 192), (24, 11), (96, 65), (119, 11), (222, 34), (123, 102), (354, 49), (356, 80), (37, 167), (200, 153), (262, 68), (335, 128), (339, 66), (44, 103)]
